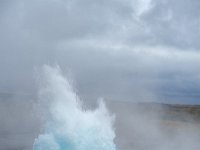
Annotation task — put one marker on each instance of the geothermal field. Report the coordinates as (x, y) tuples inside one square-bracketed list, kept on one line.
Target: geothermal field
[(60, 120)]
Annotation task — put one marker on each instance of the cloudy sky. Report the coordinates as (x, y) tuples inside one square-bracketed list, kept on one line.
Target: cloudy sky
[(128, 50)]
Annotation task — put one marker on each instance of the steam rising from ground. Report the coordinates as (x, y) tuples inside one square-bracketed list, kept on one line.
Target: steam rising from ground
[(144, 128), (68, 126)]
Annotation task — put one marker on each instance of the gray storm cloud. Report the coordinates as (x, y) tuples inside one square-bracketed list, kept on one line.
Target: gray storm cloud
[(122, 43)]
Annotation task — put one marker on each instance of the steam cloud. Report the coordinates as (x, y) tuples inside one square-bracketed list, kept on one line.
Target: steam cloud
[(68, 126)]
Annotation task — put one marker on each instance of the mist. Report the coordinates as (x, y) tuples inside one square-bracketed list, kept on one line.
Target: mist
[(142, 128)]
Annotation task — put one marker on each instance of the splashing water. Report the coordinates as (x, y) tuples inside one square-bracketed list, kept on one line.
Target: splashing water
[(68, 126)]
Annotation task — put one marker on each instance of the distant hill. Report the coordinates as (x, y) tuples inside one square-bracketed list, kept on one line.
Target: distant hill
[(175, 112)]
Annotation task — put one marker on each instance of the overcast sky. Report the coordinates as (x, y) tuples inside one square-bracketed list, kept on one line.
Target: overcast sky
[(118, 49)]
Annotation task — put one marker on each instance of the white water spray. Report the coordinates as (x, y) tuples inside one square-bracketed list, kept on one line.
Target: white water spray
[(68, 126)]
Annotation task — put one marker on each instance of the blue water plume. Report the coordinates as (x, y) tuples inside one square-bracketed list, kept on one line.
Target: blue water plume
[(68, 126)]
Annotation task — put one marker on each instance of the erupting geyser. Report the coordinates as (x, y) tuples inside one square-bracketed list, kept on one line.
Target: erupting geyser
[(69, 126)]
